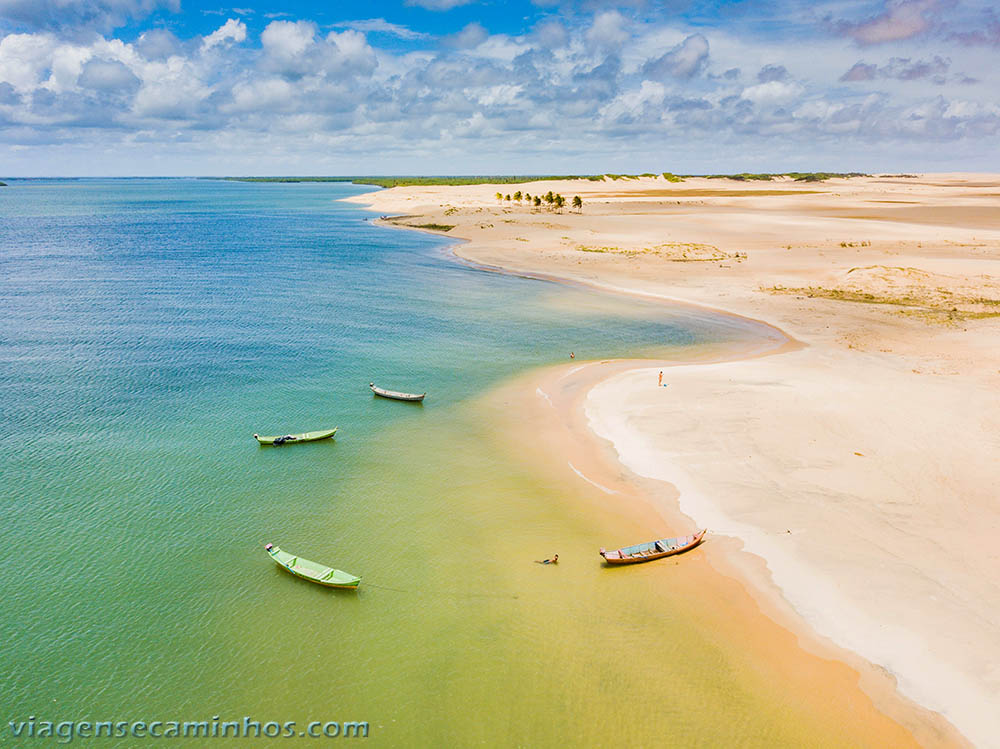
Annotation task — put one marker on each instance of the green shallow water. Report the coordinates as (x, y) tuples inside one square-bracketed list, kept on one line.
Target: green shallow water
[(152, 326)]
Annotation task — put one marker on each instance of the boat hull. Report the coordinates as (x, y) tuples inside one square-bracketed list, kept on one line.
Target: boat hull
[(396, 396), (685, 544), (342, 586), (277, 440), (312, 571)]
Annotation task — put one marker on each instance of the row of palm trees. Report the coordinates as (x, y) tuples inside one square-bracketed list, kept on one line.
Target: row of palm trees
[(551, 200)]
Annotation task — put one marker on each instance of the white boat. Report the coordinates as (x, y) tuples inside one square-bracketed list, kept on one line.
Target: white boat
[(396, 395)]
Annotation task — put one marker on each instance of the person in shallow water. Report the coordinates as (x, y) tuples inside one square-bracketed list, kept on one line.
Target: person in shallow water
[(553, 560)]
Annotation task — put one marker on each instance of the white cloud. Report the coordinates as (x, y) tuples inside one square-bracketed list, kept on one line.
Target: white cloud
[(608, 30), (899, 19), (107, 75), (606, 86), (79, 14), (232, 30), (471, 36), (380, 25), (772, 92), (683, 61), (287, 40), (251, 96)]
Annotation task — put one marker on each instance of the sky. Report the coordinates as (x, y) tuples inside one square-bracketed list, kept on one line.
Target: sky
[(448, 87)]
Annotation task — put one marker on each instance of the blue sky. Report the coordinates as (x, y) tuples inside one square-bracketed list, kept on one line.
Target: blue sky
[(191, 87)]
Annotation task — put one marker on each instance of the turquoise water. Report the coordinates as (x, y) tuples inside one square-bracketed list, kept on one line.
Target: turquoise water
[(149, 328)]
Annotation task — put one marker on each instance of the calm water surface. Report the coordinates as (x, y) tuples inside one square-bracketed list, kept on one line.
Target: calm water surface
[(150, 327)]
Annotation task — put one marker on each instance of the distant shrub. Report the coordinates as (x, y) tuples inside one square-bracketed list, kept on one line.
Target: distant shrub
[(433, 227)]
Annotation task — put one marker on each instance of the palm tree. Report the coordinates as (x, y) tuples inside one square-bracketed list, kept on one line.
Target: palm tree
[(538, 201), (517, 196), (499, 198), (507, 197), (578, 203)]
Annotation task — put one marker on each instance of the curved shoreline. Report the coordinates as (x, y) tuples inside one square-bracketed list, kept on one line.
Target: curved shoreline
[(765, 574), (770, 593)]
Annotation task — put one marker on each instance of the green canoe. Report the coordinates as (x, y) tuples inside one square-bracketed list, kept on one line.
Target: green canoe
[(312, 571), (292, 438)]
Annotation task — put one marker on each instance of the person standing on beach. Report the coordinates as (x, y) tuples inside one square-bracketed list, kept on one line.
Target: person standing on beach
[(660, 381)]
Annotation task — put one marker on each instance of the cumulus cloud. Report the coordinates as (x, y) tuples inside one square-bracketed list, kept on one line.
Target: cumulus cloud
[(772, 92), (582, 85), (472, 35), (608, 30), (683, 61), (770, 73), (899, 19), (107, 75), (860, 71), (232, 30), (103, 15), (288, 40), (550, 34), (985, 33), (901, 69), (158, 44)]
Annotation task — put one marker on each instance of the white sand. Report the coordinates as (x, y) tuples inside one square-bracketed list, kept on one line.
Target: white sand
[(893, 553)]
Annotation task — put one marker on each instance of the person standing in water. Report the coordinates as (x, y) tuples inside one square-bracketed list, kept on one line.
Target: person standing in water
[(553, 560), (660, 381)]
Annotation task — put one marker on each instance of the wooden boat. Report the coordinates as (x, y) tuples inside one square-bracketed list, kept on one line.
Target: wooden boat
[(288, 439), (665, 547), (312, 571), (396, 396)]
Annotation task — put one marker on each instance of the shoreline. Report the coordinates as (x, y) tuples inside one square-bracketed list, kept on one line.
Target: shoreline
[(771, 577)]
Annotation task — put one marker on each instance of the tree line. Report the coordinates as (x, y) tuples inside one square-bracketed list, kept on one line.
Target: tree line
[(552, 201)]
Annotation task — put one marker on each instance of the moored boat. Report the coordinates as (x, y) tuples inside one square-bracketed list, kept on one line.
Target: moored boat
[(664, 547), (396, 395), (323, 434), (312, 571)]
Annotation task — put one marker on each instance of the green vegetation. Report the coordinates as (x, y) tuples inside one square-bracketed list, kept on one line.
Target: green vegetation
[(932, 305), (433, 227), (797, 176), (412, 181), (578, 203), (517, 179), (283, 179), (856, 244), (678, 252)]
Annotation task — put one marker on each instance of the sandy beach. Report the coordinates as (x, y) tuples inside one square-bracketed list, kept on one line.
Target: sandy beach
[(849, 480)]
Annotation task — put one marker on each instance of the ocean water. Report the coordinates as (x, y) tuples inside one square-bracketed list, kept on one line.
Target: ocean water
[(150, 327)]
